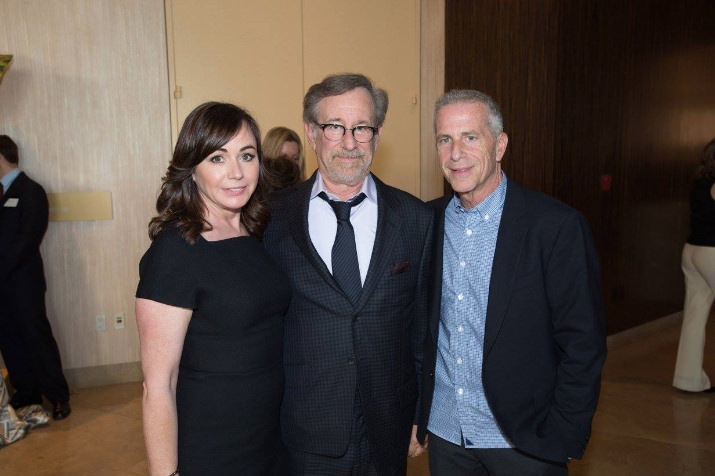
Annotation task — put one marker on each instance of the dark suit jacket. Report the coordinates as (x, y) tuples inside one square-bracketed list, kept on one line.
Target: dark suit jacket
[(333, 347), (21, 231), (544, 338)]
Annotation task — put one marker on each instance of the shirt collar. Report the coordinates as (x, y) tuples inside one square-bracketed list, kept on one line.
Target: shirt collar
[(494, 203), (368, 188), (9, 178)]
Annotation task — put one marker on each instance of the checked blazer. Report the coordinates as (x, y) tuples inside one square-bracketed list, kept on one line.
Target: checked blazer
[(333, 347), (544, 340)]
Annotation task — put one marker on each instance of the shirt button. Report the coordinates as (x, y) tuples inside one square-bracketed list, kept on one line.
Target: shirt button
[(460, 390), (459, 360), (460, 296), (462, 264), (351, 360), (486, 217), (460, 328), (469, 232)]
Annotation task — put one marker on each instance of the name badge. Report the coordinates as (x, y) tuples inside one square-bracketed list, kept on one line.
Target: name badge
[(11, 202)]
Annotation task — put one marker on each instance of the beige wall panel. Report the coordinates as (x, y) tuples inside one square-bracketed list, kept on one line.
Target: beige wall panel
[(381, 40), (240, 51), (87, 102), (432, 79)]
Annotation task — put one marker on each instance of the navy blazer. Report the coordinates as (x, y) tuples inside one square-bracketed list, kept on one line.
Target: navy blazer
[(333, 348), (544, 343), (22, 228)]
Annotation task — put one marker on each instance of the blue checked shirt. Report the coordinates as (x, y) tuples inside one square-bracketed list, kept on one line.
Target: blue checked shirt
[(459, 406)]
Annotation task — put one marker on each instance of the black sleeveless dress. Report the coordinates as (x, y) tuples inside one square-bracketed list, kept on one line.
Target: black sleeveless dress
[(230, 382)]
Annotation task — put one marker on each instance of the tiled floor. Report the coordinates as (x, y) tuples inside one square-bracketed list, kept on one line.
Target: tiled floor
[(643, 426)]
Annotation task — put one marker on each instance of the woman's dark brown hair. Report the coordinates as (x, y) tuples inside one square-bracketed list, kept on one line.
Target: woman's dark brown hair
[(281, 173), (209, 127), (706, 169)]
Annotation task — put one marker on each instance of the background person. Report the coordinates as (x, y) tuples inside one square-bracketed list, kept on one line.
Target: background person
[(26, 341), (284, 142), (699, 268), (210, 306)]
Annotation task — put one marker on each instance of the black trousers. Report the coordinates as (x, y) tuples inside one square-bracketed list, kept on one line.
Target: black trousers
[(357, 460), (448, 459), (30, 351)]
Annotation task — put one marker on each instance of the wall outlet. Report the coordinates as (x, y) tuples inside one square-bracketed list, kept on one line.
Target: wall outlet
[(101, 323), (119, 321)]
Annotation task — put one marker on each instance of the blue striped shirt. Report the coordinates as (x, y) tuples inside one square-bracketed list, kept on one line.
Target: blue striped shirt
[(460, 412)]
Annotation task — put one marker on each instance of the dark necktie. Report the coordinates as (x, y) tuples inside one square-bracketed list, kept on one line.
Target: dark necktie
[(1, 191), (346, 270)]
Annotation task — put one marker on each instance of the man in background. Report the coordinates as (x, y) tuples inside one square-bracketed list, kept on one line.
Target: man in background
[(516, 338), (26, 341)]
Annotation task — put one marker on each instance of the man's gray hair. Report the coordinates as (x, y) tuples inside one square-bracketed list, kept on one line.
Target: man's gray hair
[(459, 96), (337, 84)]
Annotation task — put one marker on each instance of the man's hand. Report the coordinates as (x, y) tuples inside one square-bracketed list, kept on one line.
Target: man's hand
[(416, 448)]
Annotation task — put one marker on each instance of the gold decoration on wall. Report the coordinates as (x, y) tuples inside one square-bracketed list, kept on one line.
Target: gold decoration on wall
[(80, 206)]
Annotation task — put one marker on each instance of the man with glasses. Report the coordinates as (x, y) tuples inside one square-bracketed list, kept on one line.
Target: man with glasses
[(357, 252)]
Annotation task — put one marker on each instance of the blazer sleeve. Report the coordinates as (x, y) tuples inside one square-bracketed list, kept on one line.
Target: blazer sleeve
[(573, 287), (34, 216)]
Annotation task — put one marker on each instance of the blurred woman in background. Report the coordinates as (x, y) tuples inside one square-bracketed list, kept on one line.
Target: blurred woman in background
[(699, 268), (284, 142)]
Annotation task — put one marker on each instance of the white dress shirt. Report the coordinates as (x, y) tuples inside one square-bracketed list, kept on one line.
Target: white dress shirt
[(322, 224)]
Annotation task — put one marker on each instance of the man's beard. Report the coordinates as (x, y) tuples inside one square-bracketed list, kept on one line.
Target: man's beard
[(351, 173)]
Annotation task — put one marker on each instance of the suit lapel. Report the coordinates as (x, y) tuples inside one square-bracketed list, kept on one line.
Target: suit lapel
[(510, 241), (298, 215), (388, 231), (437, 260)]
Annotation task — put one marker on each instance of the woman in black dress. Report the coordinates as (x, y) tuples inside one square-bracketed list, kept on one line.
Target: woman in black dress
[(210, 306)]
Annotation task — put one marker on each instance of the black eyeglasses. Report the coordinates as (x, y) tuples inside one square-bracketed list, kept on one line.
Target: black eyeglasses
[(335, 132)]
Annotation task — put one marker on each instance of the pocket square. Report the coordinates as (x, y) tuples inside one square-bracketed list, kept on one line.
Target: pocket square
[(400, 267)]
